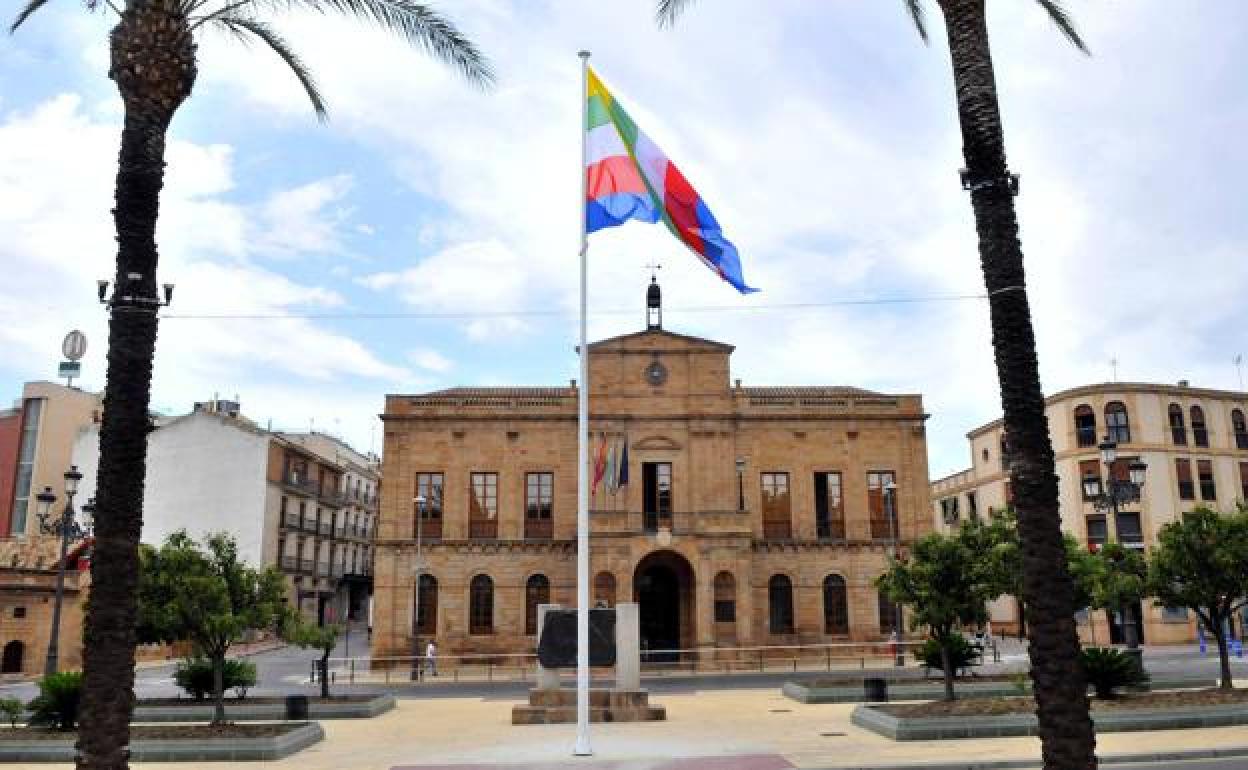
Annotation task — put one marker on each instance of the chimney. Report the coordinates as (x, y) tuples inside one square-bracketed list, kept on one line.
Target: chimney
[(1183, 383)]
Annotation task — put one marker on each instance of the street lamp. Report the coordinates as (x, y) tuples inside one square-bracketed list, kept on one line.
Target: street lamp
[(890, 510), (740, 483), (69, 529), (1108, 497), (420, 502)]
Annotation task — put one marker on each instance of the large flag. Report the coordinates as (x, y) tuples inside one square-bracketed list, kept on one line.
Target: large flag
[(600, 463), (629, 177), (623, 478), (608, 475)]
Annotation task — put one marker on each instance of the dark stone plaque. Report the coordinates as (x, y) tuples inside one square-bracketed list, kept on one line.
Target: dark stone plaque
[(557, 648)]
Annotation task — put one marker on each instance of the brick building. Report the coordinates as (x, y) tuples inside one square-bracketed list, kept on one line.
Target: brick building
[(750, 516)]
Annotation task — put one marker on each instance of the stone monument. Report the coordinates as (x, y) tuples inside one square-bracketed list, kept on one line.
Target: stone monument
[(549, 703)]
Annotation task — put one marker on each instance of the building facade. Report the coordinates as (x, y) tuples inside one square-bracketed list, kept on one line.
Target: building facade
[(284, 498), (28, 569), (1194, 442), (734, 515)]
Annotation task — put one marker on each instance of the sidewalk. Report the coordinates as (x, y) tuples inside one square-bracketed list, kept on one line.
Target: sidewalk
[(729, 723)]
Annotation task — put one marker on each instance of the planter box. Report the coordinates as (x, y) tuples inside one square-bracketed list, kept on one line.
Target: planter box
[(1118, 721), (191, 750), (247, 711), (909, 689)]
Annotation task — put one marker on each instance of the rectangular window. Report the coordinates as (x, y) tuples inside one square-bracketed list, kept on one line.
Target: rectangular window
[(539, 495), (949, 510), (829, 506), (881, 506), (972, 507), (483, 506), (32, 414), (725, 611), (20, 612), (1208, 491), (1183, 472), (1178, 433), (776, 509), (1098, 532), (429, 485), (1129, 532), (657, 495), (1088, 468)]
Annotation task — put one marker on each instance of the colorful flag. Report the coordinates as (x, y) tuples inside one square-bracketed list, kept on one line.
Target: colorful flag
[(600, 463), (629, 177), (623, 479), (608, 474)]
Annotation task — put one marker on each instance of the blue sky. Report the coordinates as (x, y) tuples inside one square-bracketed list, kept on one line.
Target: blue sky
[(822, 134)]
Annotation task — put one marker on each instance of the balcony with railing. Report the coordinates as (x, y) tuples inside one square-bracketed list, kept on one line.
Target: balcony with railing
[(830, 529), (777, 529), (430, 529), (307, 565), (301, 484), (325, 527), (291, 520), (322, 569), (538, 529), (338, 570), (290, 563), (483, 529), (881, 528)]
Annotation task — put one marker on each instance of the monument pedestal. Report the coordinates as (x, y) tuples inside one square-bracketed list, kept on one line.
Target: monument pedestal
[(548, 707)]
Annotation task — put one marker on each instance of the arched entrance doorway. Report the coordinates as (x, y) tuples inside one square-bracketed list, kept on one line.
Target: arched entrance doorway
[(663, 586), (11, 661)]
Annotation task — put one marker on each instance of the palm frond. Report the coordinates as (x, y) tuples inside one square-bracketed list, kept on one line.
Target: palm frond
[(668, 10), (25, 14), (242, 26), (1064, 22), (421, 26), (915, 7)]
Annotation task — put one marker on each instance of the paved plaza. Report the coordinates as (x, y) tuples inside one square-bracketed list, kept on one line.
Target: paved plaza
[(723, 729)]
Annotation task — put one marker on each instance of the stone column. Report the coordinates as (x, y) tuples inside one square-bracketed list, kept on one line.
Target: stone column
[(627, 646), (547, 678)]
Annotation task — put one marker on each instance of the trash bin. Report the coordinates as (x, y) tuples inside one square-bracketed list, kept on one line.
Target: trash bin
[(875, 690), (297, 708)]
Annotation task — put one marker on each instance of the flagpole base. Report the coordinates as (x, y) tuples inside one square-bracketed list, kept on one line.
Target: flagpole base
[(582, 747)]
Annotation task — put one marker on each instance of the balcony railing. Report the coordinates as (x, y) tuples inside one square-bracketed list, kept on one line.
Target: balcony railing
[(291, 520), (830, 529), (881, 529), (538, 529), (430, 529), (338, 570), (483, 529), (777, 529), (325, 527), (322, 570), (290, 563), (307, 565), (301, 484), (340, 531), (309, 525)]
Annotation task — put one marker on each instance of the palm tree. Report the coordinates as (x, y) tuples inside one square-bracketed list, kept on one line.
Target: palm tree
[(153, 63), (1061, 695)]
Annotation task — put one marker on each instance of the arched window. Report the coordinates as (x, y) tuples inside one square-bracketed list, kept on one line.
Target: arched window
[(780, 603), (835, 605), (427, 607), (1240, 428), (1200, 433), (1178, 431), (604, 589), (11, 663), (725, 598), (481, 605), (1085, 425), (888, 614), (536, 591), (1116, 424)]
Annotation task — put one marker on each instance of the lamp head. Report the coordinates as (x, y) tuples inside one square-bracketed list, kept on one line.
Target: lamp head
[(72, 477), (740, 465), (1137, 468), (101, 287), (1109, 451), (419, 500), (44, 501), (1091, 485)]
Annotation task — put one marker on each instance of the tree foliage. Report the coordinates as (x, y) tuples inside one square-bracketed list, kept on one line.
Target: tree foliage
[(56, 705), (1201, 563), (322, 638), (1108, 670), (206, 596)]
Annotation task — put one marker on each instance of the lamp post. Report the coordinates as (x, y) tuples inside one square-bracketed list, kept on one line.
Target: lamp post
[(69, 529), (740, 483), (1108, 498), (419, 567), (890, 510)]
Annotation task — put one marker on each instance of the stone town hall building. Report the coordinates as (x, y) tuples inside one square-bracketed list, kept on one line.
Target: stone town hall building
[(752, 515)]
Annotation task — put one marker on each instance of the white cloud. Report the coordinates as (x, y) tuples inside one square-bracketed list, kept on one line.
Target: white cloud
[(428, 358)]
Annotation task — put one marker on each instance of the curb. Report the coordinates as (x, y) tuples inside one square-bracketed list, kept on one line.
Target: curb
[(1004, 764)]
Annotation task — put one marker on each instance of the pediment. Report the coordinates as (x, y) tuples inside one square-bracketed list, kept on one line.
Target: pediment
[(657, 442)]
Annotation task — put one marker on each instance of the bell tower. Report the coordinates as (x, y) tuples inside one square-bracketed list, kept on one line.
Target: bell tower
[(654, 303)]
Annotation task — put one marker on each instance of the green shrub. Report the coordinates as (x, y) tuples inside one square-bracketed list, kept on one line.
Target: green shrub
[(194, 676), (1108, 669), (961, 653), (57, 702), (1019, 679), (11, 709)]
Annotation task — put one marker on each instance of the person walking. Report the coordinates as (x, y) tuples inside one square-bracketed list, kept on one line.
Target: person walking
[(431, 658)]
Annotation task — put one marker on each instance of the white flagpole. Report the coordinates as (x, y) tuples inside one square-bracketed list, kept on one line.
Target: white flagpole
[(582, 451)]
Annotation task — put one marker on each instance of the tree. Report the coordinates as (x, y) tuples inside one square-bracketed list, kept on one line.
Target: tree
[(1119, 580), (1065, 727), (153, 62), (308, 636), (946, 586), (207, 597), (1201, 563)]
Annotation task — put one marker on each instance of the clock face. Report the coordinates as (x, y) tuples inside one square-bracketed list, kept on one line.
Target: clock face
[(656, 373)]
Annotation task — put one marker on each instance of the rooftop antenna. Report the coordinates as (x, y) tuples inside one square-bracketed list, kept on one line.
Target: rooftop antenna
[(1239, 368), (1113, 362)]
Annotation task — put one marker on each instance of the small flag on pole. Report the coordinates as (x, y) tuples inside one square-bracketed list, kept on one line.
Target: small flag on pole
[(623, 479), (629, 177)]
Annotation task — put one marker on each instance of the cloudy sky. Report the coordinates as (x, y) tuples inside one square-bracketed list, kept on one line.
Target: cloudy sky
[(822, 134)]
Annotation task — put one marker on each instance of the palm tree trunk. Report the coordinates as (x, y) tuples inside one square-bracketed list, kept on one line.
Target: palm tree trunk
[(153, 64), (1065, 729)]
